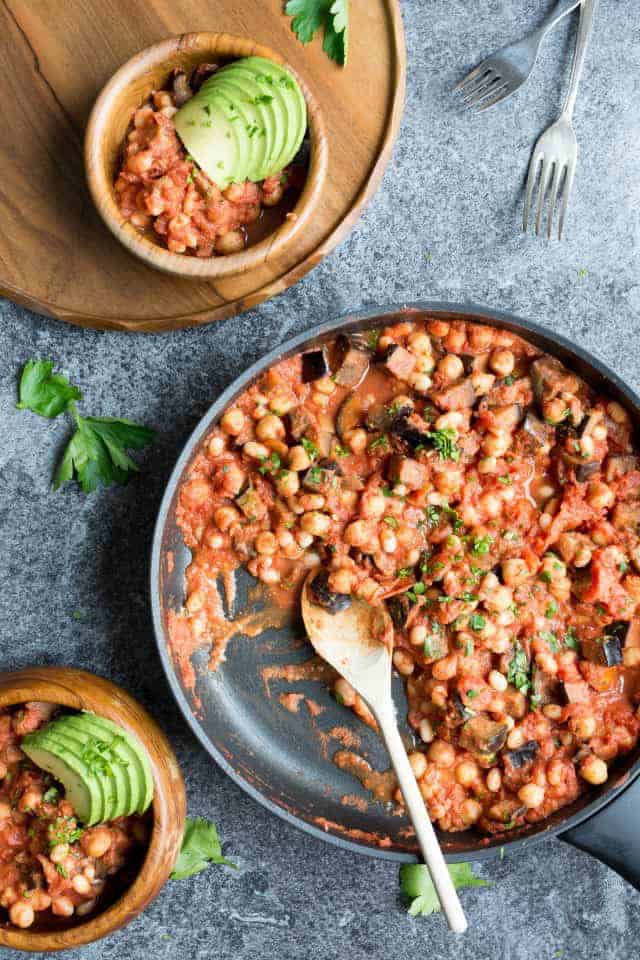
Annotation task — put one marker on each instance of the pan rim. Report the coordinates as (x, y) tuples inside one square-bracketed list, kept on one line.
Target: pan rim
[(554, 343)]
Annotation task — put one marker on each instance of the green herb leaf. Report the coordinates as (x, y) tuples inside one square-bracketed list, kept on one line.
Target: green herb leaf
[(390, 521), (97, 452), (481, 545), (417, 885), (477, 622), (310, 448), (518, 672), (381, 443), (332, 15), (308, 17), (444, 441), (200, 847), (44, 392), (51, 795), (336, 32), (570, 639)]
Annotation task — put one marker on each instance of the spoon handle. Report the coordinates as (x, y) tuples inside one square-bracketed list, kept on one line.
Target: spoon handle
[(420, 818)]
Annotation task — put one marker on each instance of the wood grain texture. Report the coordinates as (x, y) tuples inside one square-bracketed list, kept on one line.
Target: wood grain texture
[(85, 691), (56, 255)]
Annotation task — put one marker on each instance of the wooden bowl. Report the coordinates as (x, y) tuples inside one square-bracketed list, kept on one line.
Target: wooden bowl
[(84, 691), (108, 123)]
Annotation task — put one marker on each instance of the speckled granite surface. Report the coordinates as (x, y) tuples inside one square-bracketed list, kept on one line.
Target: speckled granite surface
[(444, 225)]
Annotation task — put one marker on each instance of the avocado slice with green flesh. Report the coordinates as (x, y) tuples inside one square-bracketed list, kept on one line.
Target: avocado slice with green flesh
[(230, 90), (139, 754), (125, 787), (277, 113), (274, 79), (212, 138), (81, 787), (78, 744), (250, 98)]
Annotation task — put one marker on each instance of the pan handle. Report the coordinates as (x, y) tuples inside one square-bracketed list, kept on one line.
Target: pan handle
[(612, 834)]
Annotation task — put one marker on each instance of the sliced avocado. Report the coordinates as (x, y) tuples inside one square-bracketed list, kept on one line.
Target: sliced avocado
[(123, 788), (79, 745), (258, 133), (274, 79), (276, 116), (81, 786), (139, 754), (212, 138)]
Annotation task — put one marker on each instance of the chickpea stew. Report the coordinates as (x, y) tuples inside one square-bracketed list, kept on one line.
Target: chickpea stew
[(52, 868), (166, 194), (491, 499)]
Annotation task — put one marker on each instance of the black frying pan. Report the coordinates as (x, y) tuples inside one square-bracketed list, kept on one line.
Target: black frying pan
[(283, 760)]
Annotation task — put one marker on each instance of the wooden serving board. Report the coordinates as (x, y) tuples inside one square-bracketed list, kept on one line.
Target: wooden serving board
[(57, 257)]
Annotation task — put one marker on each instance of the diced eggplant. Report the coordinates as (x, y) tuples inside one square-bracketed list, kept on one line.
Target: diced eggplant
[(549, 378), (461, 709), (458, 396), (251, 504), (350, 415), (412, 430), (577, 691), (616, 466), (612, 650), (315, 365), (201, 73), (545, 689), (523, 755), (399, 607), (353, 364), (584, 471), (626, 516), (321, 475), (398, 361), (483, 736), (324, 597), (299, 422), (363, 340), (379, 417), (541, 432), (181, 87), (467, 362), (410, 473)]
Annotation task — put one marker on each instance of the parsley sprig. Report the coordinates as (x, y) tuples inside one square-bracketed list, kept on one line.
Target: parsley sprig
[(417, 885), (332, 16), (97, 451), (200, 847)]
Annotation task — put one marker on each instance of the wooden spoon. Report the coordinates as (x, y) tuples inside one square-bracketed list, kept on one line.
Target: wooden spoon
[(357, 642)]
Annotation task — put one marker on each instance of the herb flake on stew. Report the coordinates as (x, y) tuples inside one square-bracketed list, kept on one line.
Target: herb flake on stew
[(481, 545), (200, 847), (310, 448), (518, 672), (417, 886)]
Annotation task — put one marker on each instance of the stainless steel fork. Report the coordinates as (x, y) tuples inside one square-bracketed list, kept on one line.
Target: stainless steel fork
[(504, 72), (556, 153)]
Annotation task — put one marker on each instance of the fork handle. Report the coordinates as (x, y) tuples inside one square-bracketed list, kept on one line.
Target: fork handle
[(420, 818), (587, 12), (562, 9)]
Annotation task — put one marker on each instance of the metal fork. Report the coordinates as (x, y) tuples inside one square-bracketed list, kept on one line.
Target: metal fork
[(556, 153), (504, 72)]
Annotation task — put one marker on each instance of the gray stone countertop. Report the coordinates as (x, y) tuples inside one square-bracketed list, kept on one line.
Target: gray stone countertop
[(445, 225)]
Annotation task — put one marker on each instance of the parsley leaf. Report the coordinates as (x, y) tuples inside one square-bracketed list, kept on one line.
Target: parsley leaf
[(200, 846), (43, 392), (481, 545), (51, 795), (310, 448), (336, 32), (477, 622), (518, 672), (332, 15), (308, 17), (444, 442), (418, 888), (97, 452)]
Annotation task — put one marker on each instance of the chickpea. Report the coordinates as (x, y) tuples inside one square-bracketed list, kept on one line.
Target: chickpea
[(446, 668), (357, 440), (498, 681), (490, 504), (494, 780), (515, 739), (231, 242), (281, 402), (496, 444), (487, 465), (455, 340), (449, 482), (438, 328), (388, 541), (479, 337), (599, 495), (470, 811), (288, 483), (582, 556), (81, 885), (425, 729), (552, 711), (233, 421), (418, 764), (631, 656), (617, 412), (270, 427), (482, 383), (59, 852), (418, 634), (345, 692), (442, 753), (594, 770), (325, 385), (531, 795), (266, 543), (256, 451), (585, 727), (315, 523), (215, 446), (515, 571), (224, 517), (96, 842), (30, 800), (420, 343), (502, 362), (357, 534), (420, 382), (341, 581), (403, 663), (450, 367), (299, 459), (499, 599), (62, 906), (466, 773), (21, 914), (374, 505)]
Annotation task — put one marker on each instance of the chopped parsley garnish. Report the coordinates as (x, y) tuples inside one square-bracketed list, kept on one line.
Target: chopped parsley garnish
[(200, 847), (509, 381), (314, 476), (342, 451), (545, 575), (390, 521), (61, 870), (271, 464), (416, 591), (382, 443), (518, 672), (310, 448), (417, 885), (570, 639), (472, 694), (405, 572), (468, 647), (552, 609), (477, 622), (481, 545), (505, 480), (551, 639), (623, 566), (372, 339), (51, 795), (444, 442), (468, 597)]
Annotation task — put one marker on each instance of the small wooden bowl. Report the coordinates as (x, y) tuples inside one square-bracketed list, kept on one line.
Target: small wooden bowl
[(84, 691), (110, 118)]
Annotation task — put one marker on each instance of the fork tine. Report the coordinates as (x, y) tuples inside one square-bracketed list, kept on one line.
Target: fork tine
[(531, 182), (499, 94), (566, 191), (483, 81), (545, 177), (486, 90), (470, 76), (558, 174)]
